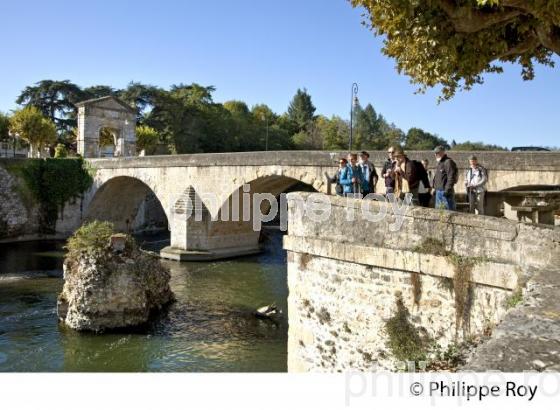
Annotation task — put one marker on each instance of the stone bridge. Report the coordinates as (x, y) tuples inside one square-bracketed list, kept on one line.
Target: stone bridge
[(216, 181), (373, 298)]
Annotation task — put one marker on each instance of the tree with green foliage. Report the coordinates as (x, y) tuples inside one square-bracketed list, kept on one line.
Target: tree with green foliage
[(301, 110), (237, 108), (335, 132), (60, 151), (56, 100), (245, 132), (476, 146), (263, 113), (99, 91), (31, 126), (418, 139), (454, 43), (394, 136), (140, 97), (367, 134), (54, 182), (4, 127), (147, 139)]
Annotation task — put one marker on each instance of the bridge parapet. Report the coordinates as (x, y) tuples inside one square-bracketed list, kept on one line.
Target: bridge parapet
[(345, 279)]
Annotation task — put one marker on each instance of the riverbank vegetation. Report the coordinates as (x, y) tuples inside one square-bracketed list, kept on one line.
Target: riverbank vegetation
[(51, 183)]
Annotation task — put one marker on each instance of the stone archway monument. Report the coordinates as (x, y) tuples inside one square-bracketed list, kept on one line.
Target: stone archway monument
[(106, 113)]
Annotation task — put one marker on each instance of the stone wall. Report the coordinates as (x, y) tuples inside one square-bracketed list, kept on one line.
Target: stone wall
[(19, 212), (345, 277), (16, 217)]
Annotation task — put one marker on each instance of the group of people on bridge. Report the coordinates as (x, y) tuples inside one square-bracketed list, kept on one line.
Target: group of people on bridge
[(357, 177)]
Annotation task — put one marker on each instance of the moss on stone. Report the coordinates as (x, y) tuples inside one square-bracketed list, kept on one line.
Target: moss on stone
[(463, 291), (461, 283), (416, 287), (89, 238), (432, 246), (405, 342)]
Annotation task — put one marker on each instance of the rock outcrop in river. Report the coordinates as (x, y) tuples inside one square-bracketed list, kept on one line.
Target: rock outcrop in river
[(108, 282)]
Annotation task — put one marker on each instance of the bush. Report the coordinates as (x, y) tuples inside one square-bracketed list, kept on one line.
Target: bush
[(89, 238), (60, 151), (404, 341), (53, 182)]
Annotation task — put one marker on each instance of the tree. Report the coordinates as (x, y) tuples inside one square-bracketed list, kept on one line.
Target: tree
[(141, 97), (262, 113), (237, 108), (453, 43), (4, 127), (56, 100), (147, 139), (393, 137), (418, 139), (301, 109), (476, 146), (98, 91), (335, 132), (30, 125), (60, 151), (366, 128)]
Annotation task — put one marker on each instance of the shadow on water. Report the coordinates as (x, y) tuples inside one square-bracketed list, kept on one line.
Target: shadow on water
[(211, 326)]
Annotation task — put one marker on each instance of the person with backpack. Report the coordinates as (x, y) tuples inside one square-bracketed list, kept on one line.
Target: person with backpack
[(476, 179), (445, 178), (408, 175)]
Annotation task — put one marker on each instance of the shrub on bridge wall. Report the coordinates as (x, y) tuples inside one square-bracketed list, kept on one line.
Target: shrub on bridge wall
[(404, 340), (52, 183), (462, 286)]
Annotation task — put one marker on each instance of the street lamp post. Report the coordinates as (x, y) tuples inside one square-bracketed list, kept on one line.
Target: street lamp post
[(353, 102)]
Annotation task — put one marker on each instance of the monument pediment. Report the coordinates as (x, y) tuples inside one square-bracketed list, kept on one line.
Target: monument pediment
[(107, 103)]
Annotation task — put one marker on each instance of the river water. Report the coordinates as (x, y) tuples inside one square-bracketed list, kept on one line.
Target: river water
[(210, 328)]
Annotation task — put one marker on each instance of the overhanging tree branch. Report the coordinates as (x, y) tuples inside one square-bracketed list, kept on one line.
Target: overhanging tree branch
[(549, 38), (467, 20)]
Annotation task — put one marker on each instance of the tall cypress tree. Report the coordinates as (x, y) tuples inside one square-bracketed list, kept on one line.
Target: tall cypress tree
[(301, 110)]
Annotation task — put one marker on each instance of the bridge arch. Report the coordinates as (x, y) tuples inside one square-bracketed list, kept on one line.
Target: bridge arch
[(233, 225), (122, 199)]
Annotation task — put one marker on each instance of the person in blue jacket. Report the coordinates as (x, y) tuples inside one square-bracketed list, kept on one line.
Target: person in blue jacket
[(351, 177)]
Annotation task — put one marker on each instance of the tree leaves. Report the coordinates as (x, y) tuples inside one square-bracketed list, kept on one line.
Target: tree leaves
[(453, 44)]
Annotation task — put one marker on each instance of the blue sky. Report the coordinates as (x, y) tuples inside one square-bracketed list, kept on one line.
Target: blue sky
[(259, 52)]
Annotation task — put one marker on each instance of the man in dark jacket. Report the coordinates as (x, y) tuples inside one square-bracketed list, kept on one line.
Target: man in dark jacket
[(369, 175), (387, 171), (444, 180), (406, 177)]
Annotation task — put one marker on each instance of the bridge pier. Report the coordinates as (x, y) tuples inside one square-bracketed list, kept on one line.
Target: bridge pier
[(196, 236)]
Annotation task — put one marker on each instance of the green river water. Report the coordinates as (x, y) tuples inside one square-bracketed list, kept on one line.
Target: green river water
[(210, 328)]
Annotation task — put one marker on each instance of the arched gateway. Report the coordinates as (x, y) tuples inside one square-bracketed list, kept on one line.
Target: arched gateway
[(106, 118)]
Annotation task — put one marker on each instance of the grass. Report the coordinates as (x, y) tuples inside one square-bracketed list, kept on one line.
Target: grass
[(89, 238), (432, 246), (514, 299)]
